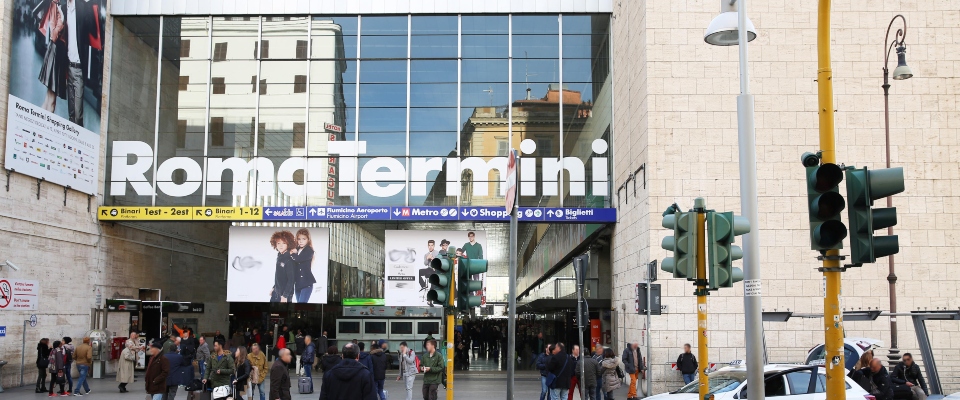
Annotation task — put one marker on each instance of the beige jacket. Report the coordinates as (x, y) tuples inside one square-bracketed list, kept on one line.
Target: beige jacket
[(259, 363)]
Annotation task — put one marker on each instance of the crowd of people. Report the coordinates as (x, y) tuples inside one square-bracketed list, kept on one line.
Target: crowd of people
[(905, 382), (603, 371)]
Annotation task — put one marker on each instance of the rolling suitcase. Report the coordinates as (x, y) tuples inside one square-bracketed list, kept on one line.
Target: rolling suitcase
[(305, 385)]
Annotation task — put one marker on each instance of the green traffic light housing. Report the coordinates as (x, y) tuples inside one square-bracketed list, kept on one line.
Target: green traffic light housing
[(863, 188), (824, 204), (722, 229), (683, 244), (468, 289), (441, 278)]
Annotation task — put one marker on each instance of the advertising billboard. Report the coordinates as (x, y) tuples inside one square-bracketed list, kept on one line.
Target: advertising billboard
[(408, 256), (278, 265), (56, 82)]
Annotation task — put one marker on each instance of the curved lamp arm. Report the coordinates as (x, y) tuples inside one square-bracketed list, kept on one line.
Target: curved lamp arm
[(897, 39)]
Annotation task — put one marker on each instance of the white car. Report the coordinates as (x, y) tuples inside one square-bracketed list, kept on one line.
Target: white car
[(853, 348), (786, 381)]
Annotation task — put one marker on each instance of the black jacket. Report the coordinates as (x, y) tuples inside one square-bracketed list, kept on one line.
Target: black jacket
[(284, 277), (379, 359), (687, 363), (881, 380), (304, 262), (279, 381), (328, 361), (181, 371), (348, 380), (903, 374), (562, 366), (243, 372)]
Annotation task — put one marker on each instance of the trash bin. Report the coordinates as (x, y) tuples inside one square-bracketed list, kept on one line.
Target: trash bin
[(2, 363)]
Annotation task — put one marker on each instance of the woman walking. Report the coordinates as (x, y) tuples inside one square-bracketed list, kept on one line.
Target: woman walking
[(242, 372), (127, 362), (58, 362), (611, 377), (43, 361)]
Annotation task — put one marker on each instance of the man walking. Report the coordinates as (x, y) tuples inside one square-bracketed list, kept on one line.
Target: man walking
[(561, 367), (687, 364), (220, 366), (632, 364), (157, 371), (322, 343), (258, 362), (202, 355), (908, 379), (591, 375), (433, 366), (598, 356), (542, 360), (575, 376), (348, 380), (83, 356), (280, 376), (378, 358), (408, 368)]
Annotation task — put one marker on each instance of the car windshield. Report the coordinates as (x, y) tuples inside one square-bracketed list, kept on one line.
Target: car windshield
[(720, 381)]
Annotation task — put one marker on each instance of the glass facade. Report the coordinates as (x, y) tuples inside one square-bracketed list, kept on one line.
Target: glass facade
[(359, 110)]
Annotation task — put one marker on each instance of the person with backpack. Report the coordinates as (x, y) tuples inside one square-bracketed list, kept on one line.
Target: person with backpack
[(408, 368), (68, 350), (57, 362), (560, 368)]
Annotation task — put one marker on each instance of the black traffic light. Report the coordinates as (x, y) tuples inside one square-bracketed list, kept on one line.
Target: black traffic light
[(863, 187), (683, 244), (825, 203), (467, 288), (441, 279)]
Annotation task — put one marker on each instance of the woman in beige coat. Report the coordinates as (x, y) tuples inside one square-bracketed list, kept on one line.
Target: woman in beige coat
[(610, 378), (127, 361)]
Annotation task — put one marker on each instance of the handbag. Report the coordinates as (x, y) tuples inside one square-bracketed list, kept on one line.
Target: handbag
[(43, 364), (220, 392), (551, 377), (620, 373), (61, 377)]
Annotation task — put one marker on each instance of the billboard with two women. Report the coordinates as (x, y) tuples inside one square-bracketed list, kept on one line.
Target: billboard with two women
[(278, 265)]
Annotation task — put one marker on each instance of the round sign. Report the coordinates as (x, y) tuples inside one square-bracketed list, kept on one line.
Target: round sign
[(6, 293), (33, 320)]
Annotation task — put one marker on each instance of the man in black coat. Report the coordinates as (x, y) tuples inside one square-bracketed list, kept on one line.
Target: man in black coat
[(562, 367), (280, 376), (881, 380), (379, 358), (909, 380), (348, 380)]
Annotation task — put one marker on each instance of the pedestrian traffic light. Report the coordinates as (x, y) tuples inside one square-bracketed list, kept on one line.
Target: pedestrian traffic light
[(863, 187), (467, 286), (825, 204), (683, 244), (441, 278), (722, 229)]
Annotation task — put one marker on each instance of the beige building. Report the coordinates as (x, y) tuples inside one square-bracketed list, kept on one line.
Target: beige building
[(675, 112)]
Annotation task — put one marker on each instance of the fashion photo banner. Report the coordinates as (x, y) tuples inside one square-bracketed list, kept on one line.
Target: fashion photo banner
[(278, 265), (408, 256), (56, 81)]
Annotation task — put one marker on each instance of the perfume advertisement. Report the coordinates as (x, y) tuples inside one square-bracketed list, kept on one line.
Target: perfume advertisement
[(408, 257)]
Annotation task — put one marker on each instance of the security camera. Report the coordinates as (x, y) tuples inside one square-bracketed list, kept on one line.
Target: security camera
[(11, 265), (810, 159)]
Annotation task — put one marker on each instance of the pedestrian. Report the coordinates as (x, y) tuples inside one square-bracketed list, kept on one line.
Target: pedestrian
[(220, 367), (83, 356), (43, 361), (427, 339), (258, 363), (408, 368), (57, 362), (280, 376), (633, 365), (687, 364), (591, 375), (909, 380), (127, 361), (219, 337), (562, 369), (433, 366), (598, 355), (331, 359), (202, 354), (298, 346), (378, 358), (188, 346), (157, 371), (181, 373), (322, 343), (68, 349), (609, 370), (575, 376), (309, 356), (241, 373), (542, 361), (348, 380), (365, 357)]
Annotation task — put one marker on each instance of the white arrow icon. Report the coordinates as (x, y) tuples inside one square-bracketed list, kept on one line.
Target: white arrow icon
[(313, 211), (268, 212), (396, 212)]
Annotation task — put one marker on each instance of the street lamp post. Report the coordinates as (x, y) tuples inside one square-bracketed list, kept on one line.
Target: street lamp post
[(900, 73)]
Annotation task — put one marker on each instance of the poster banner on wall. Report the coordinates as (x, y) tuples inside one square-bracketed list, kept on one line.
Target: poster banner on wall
[(278, 265), (53, 110), (408, 256)]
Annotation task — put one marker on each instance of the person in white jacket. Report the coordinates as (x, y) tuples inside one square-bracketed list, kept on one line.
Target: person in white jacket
[(408, 368)]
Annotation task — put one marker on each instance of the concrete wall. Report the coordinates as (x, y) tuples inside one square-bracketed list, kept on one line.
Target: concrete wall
[(676, 110)]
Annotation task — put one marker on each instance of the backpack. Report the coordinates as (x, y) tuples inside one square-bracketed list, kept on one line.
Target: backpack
[(417, 361)]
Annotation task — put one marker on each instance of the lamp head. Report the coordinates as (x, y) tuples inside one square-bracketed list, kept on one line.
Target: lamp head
[(723, 30), (902, 71)]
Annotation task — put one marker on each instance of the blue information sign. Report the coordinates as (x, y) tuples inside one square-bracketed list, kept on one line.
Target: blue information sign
[(3, 331), (425, 213), (284, 213), (347, 213), (439, 213), (581, 215)]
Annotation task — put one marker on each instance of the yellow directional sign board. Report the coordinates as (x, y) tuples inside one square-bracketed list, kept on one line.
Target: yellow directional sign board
[(180, 213), (144, 214)]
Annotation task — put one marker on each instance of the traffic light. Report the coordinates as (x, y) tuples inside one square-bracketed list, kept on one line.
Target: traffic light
[(825, 204), (466, 287), (683, 244), (863, 187), (441, 278), (722, 229)]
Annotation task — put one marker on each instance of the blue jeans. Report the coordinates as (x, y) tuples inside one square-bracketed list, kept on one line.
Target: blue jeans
[(82, 381), (687, 378), (203, 367), (157, 396), (69, 377), (380, 389), (308, 371), (544, 390), (258, 386), (303, 295), (559, 394), (599, 389)]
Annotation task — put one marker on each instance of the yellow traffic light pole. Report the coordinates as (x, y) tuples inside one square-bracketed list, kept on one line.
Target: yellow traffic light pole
[(701, 282), (451, 320), (832, 316)]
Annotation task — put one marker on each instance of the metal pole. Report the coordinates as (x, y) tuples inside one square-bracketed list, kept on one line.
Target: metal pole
[(578, 269), (702, 354), (512, 301), (894, 354), (833, 317), (747, 138), (451, 320), (23, 350), (649, 391)]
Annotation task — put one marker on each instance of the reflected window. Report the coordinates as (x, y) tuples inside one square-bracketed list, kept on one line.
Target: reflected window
[(300, 84), (299, 135), (264, 49), (302, 49), (185, 48), (184, 83), (181, 134), (219, 87), (216, 131), (263, 87), (220, 51)]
